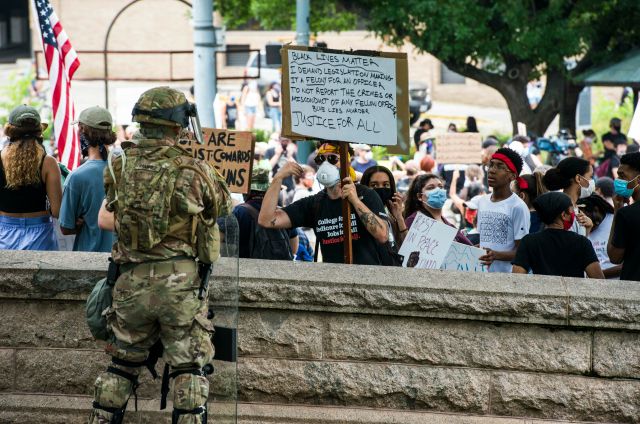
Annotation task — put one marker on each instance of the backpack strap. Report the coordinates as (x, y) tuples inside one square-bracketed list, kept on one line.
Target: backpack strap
[(254, 224)]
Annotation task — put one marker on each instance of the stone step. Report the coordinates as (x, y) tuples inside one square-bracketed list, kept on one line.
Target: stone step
[(51, 409)]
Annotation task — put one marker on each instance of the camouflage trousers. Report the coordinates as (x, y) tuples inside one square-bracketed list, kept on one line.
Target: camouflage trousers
[(157, 300)]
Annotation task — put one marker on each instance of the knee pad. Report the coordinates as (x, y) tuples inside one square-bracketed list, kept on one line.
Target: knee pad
[(111, 394), (190, 391), (112, 390)]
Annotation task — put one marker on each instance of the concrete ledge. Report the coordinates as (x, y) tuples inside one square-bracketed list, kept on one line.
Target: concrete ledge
[(359, 289), (46, 409)]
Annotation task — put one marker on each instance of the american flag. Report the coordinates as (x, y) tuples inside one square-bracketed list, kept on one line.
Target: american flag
[(62, 62)]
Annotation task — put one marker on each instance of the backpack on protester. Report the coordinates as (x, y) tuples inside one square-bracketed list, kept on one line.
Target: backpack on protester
[(604, 169), (267, 243)]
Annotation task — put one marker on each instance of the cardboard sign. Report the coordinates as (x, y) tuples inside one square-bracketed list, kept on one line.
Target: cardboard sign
[(357, 97), (427, 243), (230, 152), (464, 258), (464, 148)]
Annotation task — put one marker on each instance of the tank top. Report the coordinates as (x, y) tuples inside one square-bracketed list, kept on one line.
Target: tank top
[(31, 198)]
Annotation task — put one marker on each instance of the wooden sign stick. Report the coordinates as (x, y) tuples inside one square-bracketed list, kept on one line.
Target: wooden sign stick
[(346, 206)]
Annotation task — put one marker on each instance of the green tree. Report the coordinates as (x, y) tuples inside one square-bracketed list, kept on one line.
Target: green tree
[(16, 92), (507, 43), (326, 15)]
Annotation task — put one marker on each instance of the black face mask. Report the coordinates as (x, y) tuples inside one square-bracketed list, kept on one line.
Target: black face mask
[(84, 145), (385, 194)]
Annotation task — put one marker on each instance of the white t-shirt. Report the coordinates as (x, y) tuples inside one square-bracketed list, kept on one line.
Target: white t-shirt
[(500, 224), (599, 239)]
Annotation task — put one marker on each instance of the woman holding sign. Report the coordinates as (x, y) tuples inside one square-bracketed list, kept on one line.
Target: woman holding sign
[(427, 195)]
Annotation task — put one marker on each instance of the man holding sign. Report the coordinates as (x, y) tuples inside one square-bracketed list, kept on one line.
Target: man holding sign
[(323, 211)]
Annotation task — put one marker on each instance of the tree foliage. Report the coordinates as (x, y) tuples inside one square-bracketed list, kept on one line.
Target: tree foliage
[(326, 15), (506, 43)]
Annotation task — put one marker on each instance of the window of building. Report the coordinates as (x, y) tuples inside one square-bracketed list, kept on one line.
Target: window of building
[(236, 56), (447, 76), (15, 40)]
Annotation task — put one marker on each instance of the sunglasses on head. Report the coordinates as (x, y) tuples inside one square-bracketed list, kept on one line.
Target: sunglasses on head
[(332, 158)]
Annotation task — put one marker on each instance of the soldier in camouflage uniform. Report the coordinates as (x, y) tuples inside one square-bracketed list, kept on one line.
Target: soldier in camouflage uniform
[(164, 204)]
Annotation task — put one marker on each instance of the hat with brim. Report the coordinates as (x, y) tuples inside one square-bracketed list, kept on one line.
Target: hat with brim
[(550, 205), (25, 117), (95, 117), (259, 178)]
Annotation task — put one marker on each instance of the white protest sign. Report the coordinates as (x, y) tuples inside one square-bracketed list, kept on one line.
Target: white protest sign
[(522, 129), (343, 97), (464, 258), (634, 129), (427, 243)]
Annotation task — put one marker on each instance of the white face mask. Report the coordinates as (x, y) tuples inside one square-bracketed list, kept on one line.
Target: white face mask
[(368, 156), (586, 192), (328, 175)]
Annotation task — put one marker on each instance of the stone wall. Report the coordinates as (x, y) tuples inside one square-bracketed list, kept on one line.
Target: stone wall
[(348, 344)]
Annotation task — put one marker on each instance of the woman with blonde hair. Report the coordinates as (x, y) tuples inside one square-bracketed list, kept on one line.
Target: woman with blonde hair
[(30, 185)]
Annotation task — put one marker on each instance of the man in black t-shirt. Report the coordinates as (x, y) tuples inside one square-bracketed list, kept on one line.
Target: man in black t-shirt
[(624, 242), (323, 211), (554, 250)]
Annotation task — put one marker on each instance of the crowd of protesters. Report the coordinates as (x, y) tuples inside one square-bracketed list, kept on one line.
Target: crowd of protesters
[(578, 217)]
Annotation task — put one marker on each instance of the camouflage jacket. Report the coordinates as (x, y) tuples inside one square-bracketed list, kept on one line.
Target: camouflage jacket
[(191, 196)]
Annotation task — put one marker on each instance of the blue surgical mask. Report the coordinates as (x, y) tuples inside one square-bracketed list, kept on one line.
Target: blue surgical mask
[(436, 198), (620, 187)]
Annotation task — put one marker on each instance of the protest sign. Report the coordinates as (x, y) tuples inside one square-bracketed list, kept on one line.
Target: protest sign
[(459, 148), (230, 152), (634, 129), (464, 258), (357, 97), (427, 243), (522, 129)]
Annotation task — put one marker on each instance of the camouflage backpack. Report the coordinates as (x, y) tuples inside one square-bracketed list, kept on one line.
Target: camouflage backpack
[(145, 202)]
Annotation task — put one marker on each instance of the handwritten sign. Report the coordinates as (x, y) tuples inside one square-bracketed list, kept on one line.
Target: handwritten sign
[(427, 243), (230, 152), (459, 148), (464, 258), (335, 95)]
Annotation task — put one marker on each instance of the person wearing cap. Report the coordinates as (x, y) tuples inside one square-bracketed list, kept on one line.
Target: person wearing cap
[(84, 188), (247, 215), (555, 250), (30, 185), (364, 158), (323, 211), (503, 218)]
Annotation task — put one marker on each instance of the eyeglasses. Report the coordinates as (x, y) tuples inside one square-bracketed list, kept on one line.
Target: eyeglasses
[(332, 158)]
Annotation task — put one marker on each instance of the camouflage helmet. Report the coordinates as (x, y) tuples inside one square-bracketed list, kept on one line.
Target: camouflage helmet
[(163, 106)]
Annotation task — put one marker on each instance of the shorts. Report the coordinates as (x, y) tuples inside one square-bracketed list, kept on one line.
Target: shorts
[(251, 110), (27, 233)]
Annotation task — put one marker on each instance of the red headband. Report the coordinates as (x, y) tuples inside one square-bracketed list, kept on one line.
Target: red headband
[(522, 183)]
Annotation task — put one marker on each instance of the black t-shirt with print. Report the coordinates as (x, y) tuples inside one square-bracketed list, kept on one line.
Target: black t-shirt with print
[(555, 252), (327, 224), (626, 235)]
